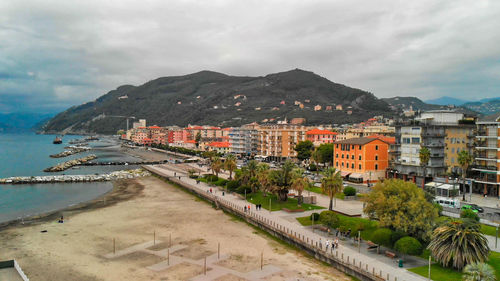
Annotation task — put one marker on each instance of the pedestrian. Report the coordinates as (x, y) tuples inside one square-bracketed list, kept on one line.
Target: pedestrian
[(210, 190), (326, 245), (337, 243), (249, 208), (222, 193), (333, 246), (175, 174), (337, 233), (245, 209)]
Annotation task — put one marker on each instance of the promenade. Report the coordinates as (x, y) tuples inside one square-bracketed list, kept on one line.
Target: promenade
[(347, 254)]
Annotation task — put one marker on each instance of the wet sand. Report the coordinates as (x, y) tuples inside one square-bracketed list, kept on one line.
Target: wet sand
[(130, 214)]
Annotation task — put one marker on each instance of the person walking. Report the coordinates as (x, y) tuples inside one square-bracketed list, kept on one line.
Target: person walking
[(327, 243), (337, 243), (245, 209)]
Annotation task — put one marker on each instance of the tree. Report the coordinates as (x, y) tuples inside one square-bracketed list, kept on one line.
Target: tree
[(325, 152), (263, 177), (281, 180), (304, 149), (299, 183), (464, 160), (459, 243), (331, 184), (382, 236), (316, 159), (329, 218), (216, 165), (425, 155), (197, 139), (230, 164), (408, 246), (469, 214), (479, 272), (402, 206)]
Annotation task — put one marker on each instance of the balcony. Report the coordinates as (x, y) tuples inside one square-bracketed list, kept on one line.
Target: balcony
[(435, 144), (487, 168)]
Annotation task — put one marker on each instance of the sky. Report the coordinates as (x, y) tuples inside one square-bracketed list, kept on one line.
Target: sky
[(56, 54)]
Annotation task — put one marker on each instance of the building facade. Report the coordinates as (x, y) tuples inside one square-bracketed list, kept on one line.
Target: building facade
[(318, 136), (277, 142)]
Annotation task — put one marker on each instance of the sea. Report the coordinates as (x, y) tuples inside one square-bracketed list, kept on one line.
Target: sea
[(27, 154)]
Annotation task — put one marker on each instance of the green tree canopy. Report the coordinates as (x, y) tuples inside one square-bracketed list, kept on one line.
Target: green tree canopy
[(230, 164), (304, 150), (401, 206), (331, 184), (281, 180), (325, 151), (408, 246)]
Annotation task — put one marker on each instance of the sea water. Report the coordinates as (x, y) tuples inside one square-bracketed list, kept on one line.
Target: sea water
[(27, 154)]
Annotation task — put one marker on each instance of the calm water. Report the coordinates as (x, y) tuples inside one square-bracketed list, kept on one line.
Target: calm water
[(28, 154)]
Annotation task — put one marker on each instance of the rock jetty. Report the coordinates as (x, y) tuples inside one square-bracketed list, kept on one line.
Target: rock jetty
[(68, 164), (72, 150), (125, 174)]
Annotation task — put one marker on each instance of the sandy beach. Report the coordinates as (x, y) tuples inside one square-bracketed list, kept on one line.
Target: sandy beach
[(143, 213)]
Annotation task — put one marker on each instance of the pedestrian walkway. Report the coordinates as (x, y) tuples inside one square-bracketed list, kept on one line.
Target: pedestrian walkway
[(381, 266)]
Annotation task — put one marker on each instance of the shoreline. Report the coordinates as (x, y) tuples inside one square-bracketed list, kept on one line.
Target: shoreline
[(117, 194)]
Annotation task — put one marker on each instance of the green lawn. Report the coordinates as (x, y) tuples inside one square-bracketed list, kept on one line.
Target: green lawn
[(446, 274), (354, 223), (488, 230), (276, 205), (314, 189)]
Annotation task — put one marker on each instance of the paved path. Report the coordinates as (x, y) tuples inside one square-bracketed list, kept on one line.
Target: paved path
[(378, 263)]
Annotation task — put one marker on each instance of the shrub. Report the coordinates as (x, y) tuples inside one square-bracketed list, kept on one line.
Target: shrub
[(349, 191), (396, 235), (221, 182), (211, 178), (232, 185), (382, 236), (329, 218), (243, 188), (469, 214), (312, 167), (439, 208), (315, 216), (408, 245)]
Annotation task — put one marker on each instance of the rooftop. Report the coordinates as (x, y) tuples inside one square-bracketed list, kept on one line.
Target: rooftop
[(358, 141), (320, 132)]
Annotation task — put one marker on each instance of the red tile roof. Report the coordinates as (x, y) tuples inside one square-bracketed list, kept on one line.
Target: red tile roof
[(154, 127), (190, 141), (220, 144), (320, 132), (389, 140)]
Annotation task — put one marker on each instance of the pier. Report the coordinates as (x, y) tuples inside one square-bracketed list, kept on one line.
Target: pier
[(124, 163), (127, 174), (66, 165)]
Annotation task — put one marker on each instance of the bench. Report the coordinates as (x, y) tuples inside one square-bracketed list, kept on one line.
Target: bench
[(371, 245), (390, 254)]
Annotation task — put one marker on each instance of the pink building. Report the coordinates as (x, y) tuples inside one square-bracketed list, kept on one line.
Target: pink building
[(317, 136)]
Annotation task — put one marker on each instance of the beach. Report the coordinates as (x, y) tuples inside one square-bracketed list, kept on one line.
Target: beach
[(144, 213)]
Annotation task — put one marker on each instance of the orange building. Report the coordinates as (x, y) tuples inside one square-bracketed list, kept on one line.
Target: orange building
[(361, 159), (317, 136)]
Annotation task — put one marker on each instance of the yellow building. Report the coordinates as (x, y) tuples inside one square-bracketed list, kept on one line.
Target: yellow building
[(457, 139), (277, 142)]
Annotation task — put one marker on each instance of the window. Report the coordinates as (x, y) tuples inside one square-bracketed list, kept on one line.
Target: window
[(376, 157), (352, 157), (376, 147), (453, 150), (352, 166), (415, 140), (360, 166), (406, 140), (337, 145), (359, 157), (337, 155), (337, 164), (353, 146), (342, 156), (376, 166), (342, 164), (360, 147)]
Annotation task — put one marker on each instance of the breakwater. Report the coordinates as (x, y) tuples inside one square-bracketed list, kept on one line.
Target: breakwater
[(126, 174), (68, 164), (72, 150), (124, 163)]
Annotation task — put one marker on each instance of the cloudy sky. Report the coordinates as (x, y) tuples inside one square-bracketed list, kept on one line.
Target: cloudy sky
[(55, 54)]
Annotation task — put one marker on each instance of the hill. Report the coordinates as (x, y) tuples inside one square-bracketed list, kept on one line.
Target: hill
[(401, 103), (446, 101), (486, 107), (208, 97)]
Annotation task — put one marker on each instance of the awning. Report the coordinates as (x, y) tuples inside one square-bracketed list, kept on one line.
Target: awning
[(344, 174), (356, 176)]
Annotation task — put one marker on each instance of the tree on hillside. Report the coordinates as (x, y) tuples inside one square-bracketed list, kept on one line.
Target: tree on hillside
[(197, 139), (402, 206), (281, 180), (299, 183), (304, 150), (230, 164), (479, 272), (425, 155), (464, 159), (331, 184), (459, 243), (325, 151), (216, 165)]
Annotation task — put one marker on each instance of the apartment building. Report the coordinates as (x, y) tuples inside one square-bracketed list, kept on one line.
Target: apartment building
[(361, 159), (486, 171), (444, 133), (318, 136), (243, 140), (277, 142)]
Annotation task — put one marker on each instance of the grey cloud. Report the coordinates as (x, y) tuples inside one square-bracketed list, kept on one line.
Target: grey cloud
[(64, 53)]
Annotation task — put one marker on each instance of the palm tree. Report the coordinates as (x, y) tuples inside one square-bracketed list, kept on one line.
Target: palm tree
[(230, 164), (331, 184), (216, 165), (263, 177), (425, 155), (316, 157), (479, 272), (458, 244), (281, 180), (299, 183), (464, 159), (252, 167)]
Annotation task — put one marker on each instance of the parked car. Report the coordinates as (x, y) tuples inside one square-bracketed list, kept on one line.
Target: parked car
[(473, 207)]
